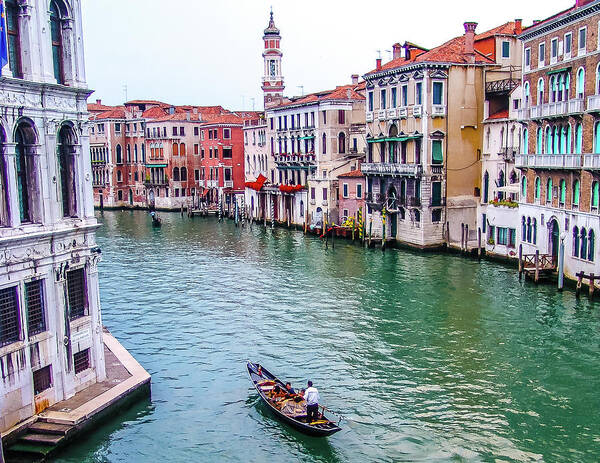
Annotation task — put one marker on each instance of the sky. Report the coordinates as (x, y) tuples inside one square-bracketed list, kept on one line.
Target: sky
[(209, 52)]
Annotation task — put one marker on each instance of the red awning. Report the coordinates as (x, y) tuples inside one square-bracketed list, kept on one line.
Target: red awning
[(290, 188), (206, 192), (257, 186)]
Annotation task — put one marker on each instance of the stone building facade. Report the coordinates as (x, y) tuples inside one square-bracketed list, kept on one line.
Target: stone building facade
[(50, 323), (561, 161)]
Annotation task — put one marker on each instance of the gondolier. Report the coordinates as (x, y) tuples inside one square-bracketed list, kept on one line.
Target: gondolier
[(311, 395)]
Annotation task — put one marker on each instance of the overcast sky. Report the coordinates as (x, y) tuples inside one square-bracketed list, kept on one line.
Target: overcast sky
[(209, 52)]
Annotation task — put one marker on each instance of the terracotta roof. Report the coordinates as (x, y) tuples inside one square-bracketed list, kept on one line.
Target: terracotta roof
[(116, 113), (509, 28), (177, 117), (153, 102), (354, 173), (344, 92), (153, 113), (503, 114), (95, 107), (223, 119)]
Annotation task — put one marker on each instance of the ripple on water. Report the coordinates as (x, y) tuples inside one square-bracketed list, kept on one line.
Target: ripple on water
[(429, 357)]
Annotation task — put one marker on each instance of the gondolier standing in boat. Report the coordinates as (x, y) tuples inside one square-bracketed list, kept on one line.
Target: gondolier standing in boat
[(311, 395)]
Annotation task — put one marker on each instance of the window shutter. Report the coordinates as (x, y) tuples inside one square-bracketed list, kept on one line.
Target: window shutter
[(437, 156)]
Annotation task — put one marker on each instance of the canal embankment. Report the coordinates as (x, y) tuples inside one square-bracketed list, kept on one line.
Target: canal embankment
[(46, 433)]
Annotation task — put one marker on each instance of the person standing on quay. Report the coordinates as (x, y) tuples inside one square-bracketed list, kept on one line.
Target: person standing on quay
[(311, 395)]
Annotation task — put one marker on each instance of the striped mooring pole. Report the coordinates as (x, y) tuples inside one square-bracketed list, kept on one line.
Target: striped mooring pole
[(220, 208), (272, 214), (243, 211)]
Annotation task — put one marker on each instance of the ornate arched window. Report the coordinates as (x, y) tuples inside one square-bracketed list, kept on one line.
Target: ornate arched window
[(135, 153), (549, 190), (119, 151), (595, 194), (578, 139), (548, 136), (523, 229), (183, 174), (534, 226), (526, 93), (575, 242), (524, 189), (342, 143), (563, 192), (590, 256), (56, 19), (324, 147), (529, 230), (538, 189), (580, 87), (486, 187), (66, 153), (539, 149), (129, 154), (576, 193), (25, 139), (525, 149), (13, 35), (176, 174), (540, 100), (584, 247)]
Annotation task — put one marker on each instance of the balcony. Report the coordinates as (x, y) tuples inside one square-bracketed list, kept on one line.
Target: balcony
[(558, 109), (212, 183), (508, 153), (576, 106), (155, 182), (201, 183), (437, 202), (593, 103), (381, 114), (548, 161), (535, 112), (438, 110), (228, 184), (523, 114), (392, 113), (437, 169), (403, 113), (393, 169), (417, 111), (591, 161), (369, 116)]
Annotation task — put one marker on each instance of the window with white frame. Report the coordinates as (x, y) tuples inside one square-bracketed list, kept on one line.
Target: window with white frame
[(505, 49), (438, 93), (527, 59), (582, 42), (542, 54), (568, 45), (359, 190), (554, 51), (345, 190)]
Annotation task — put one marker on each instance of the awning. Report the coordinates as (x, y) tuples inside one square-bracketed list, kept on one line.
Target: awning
[(156, 165), (306, 138), (376, 140), (409, 137), (512, 188), (257, 186), (206, 192), (290, 188), (558, 71)]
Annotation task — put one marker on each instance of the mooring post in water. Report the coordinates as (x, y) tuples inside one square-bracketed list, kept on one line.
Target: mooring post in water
[(236, 214), (592, 285), (561, 265), (520, 261), (462, 237), (1, 452), (272, 214), (479, 243), (579, 283), (370, 231), (537, 265), (466, 237)]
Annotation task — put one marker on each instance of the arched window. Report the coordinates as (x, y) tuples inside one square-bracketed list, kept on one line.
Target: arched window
[(575, 242), (4, 196), (119, 155), (595, 194), (569, 139), (183, 174), (538, 189), (534, 226), (591, 246), (563, 140), (580, 87), (559, 88), (548, 135), (540, 100), (324, 148), (526, 93), (578, 139), (66, 153), (523, 229), (598, 79), (563, 191), (342, 143), (567, 87), (119, 176), (128, 154), (524, 189), (583, 239), (576, 193), (143, 153), (486, 186), (556, 140), (552, 89), (539, 149), (176, 174), (549, 190), (13, 34), (529, 229), (597, 137), (57, 42), (182, 149), (175, 149), (525, 149), (500, 184), (135, 153)]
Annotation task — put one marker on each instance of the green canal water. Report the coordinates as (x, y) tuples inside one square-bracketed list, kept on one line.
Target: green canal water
[(429, 357)]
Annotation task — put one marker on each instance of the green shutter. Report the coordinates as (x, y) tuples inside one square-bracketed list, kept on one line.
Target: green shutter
[(437, 157), (595, 194), (563, 191), (436, 193), (437, 92), (538, 188), (549, 190), (576, 193), (524, 187)]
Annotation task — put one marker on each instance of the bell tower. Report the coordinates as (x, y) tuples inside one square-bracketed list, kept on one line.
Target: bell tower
[(273, 80)]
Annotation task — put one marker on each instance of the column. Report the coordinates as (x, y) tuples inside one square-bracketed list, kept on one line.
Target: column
[(12, 201)]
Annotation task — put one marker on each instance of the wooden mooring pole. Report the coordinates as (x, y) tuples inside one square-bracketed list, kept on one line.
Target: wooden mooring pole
[(592, 285), (561, 265), (537, 265), (579, 284), (520, 261), (479, 243)]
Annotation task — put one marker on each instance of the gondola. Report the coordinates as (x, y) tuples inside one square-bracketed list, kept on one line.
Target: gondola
[(264, 382), (156, 221)]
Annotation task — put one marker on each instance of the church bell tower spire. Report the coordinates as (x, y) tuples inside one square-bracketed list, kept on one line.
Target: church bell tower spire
[(273, 80)]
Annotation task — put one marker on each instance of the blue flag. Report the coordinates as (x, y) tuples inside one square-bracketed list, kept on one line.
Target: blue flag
[(3, 43)]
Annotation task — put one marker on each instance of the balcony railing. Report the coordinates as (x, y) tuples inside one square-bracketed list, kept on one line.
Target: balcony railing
[(417, 111), (591, 161), (201, 183), (576, 105), (523, 114), (392, 113), (549, 161), (228, 184), (381, 114), (438, 110), (593, 103), (557, 109), (437, 202), (403, 112), (212, 183), (388, 168), (369, 116)]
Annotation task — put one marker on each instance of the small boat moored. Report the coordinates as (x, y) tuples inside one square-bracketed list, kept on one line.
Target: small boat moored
[(290, 408)]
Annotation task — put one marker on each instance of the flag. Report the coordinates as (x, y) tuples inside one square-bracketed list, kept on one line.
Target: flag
[(3, 42)]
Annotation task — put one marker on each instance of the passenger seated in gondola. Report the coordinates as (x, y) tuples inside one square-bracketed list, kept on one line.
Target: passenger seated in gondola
[(289, 390), (277, 393)]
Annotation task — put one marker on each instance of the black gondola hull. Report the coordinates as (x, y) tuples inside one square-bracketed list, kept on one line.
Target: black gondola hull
[(299, 425)]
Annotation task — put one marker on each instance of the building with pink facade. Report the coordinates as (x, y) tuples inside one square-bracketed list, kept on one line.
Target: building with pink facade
[(351, 195)]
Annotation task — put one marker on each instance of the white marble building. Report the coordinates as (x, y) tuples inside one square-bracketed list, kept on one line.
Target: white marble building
[(50, 324)]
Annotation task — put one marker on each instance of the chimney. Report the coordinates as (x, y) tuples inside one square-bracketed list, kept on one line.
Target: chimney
[(470, 40), (188, 116), (354, 79), (98, 102), (195, 110), (397, 53), (518, 26), (378, 64)]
